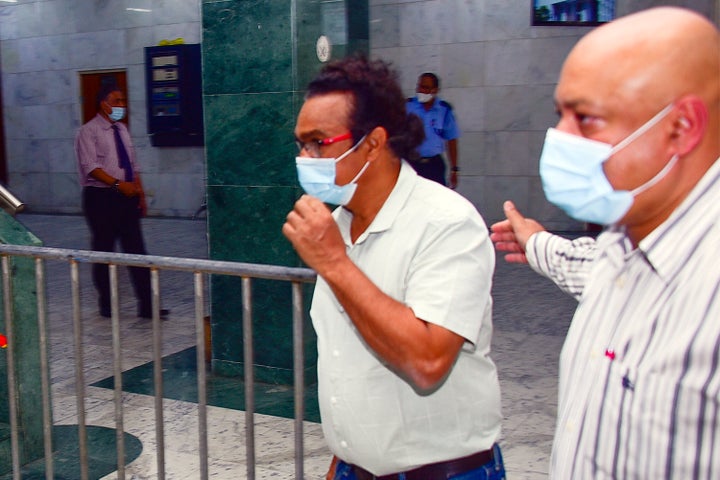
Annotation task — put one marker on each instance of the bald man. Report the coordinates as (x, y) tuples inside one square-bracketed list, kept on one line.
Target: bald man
[(636, 149)]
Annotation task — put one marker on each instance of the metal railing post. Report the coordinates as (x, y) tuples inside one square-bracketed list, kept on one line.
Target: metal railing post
[(299, 371), (79, 370), (201, 378), (157, 374), (249, 377), (117, 371), (12, 391), (44, 368)]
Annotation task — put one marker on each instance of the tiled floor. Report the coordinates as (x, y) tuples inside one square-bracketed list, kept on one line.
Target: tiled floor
[(531, 317)]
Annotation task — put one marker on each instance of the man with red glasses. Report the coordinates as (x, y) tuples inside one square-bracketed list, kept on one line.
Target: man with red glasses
[(402, 305)]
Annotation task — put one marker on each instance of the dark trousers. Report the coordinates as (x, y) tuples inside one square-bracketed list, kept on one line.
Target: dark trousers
[(112, 216), (432, 168)]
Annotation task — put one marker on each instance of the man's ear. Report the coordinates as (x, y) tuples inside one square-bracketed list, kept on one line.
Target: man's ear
[(376, 140), (105, 107), (690, 123)]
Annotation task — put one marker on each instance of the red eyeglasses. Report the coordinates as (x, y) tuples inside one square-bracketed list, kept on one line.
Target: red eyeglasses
[(313, 146)]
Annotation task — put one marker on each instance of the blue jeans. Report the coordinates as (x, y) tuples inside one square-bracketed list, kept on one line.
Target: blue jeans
[(494, 470)]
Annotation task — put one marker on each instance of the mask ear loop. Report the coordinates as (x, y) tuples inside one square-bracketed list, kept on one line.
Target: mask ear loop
[(351, 150), (660, 175), (367, 164), (647, 126)]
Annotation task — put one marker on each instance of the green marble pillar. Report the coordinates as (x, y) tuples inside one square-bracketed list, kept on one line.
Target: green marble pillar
[(28, 385), (258, 56)]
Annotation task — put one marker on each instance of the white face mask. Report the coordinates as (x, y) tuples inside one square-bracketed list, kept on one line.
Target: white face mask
[(573, 178), (424, 97), (317, 177), (117, 113)]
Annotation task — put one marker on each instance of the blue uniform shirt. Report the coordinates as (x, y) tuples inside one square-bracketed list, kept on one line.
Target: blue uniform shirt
[(440, 125)]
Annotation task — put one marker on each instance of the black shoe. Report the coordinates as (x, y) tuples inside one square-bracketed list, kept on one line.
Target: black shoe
[(164, 312)]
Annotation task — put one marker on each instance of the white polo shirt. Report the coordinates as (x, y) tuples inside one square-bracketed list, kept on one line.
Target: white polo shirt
[(429, 248)]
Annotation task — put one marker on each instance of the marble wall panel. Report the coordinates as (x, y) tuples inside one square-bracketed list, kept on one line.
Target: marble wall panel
[(42, 53), (245, 223), (472, 188), (10, 56), (546, 58), (24, 89), (176, 191), (497, 189), (136, 40), (472, 153), (410, 62), (385, 26), (250, 140), (26, 153), (464, 65), (179, 160), (174, 12), (59, 17), (14, 123), (470, 107), (105, 15), (33, 189), (308, 28), (510, 108), (507, 62), (511, 153), (61, 86), (247, 47), (22, 20), (65, 189), (61, 157), (426, 23), (88, 51), (51, 121)]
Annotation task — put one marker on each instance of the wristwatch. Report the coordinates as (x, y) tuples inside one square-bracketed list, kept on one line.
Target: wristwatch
[(116, 185)]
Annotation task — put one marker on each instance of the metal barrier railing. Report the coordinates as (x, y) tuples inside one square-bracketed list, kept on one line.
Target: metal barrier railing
[(199, 267)]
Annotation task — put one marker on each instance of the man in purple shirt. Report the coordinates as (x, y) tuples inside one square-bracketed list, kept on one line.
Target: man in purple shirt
[(113, 197)]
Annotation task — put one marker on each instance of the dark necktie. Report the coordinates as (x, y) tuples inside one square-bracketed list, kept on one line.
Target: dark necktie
[(122, 154)]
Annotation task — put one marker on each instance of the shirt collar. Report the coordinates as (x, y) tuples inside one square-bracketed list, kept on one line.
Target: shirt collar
[(678, 233), (106, 124), (683, 229), (388, 212)]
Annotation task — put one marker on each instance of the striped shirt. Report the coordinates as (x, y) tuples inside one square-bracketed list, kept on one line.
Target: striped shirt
[(639, 392)]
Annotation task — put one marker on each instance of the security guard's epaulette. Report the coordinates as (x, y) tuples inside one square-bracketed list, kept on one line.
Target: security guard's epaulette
[(445, 104)]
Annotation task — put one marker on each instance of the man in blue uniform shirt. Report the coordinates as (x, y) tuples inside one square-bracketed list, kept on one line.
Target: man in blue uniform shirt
[(440, 127)]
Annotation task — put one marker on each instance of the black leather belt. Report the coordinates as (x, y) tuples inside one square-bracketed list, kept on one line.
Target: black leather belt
[(435, 471), (423, 160)]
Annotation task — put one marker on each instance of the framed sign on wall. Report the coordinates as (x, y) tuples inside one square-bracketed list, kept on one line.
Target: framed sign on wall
[(572, 12)]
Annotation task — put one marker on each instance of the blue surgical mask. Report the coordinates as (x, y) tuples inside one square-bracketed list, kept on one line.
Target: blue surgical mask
[(317, 177), (571, 170), (117, 113)]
